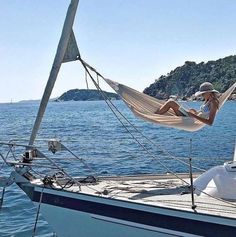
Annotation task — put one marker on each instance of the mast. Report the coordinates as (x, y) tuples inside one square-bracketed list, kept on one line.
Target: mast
[(61, 49)]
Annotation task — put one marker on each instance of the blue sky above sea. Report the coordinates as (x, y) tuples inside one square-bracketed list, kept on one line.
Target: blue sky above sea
[(133, 42)]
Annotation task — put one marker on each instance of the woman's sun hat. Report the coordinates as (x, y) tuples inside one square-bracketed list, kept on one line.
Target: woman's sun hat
[(204, 88)]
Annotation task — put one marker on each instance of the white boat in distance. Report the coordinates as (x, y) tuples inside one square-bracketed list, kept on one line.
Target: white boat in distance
[(132, 206)]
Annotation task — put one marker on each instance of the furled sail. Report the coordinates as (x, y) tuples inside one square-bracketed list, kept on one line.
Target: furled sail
[(144, 107)]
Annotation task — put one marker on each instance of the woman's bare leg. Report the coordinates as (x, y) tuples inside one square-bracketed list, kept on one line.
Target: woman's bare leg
[(169, 105)]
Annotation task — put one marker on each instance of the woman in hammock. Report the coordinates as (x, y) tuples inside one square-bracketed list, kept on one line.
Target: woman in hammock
[(207, 111)]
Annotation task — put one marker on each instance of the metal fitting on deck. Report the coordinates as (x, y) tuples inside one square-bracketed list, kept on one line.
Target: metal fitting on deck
[(29, 155), (54, 145)]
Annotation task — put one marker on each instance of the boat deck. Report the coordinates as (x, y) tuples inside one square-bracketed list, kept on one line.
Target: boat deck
[(161, 191)]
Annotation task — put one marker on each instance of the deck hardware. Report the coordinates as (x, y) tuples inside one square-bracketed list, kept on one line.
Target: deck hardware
[(54, 145), (191, 176)]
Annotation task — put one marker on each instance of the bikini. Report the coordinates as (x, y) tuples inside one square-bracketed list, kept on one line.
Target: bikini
[(205, 110)]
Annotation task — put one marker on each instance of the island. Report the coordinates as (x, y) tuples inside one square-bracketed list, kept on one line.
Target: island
[(86, 95), (184, 81)]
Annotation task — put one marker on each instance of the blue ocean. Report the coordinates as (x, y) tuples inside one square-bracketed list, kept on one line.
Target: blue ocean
[(91, 130)]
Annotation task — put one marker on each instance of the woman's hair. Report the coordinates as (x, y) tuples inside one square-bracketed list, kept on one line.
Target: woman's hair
[(214, 97)]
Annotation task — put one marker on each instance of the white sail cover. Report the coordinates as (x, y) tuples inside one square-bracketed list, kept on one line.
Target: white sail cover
[(72, 50), (144, 107)]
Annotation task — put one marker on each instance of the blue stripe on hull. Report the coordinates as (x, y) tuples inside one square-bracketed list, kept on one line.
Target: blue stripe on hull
[(174, 223)]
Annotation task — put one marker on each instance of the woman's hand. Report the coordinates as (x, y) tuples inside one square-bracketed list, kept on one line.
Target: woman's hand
[(193, 111), (212, 114), (190, 114)]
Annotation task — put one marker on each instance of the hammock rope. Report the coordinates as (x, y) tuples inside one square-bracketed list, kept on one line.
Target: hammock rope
[(87, 67), (144, 107), (116, 111)]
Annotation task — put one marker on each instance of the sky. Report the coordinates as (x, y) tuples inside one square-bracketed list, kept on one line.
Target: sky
[(133, 42)]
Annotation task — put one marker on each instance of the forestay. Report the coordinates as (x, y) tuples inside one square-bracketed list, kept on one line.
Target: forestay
[(144, 107)]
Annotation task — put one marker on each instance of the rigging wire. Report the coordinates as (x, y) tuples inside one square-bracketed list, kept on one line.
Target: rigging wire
[(81, 160), (127, 129), (71, 180), (97, 191), (97, 79), (37, 214), (86, 79), (85, 65)]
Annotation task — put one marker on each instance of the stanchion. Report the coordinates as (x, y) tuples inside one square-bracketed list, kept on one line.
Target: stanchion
[(191, 176)]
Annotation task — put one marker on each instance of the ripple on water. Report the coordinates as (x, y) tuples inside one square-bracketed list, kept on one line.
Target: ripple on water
[(91, 131)]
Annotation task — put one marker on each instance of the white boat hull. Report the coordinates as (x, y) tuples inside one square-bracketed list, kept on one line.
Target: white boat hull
[(82, 215)]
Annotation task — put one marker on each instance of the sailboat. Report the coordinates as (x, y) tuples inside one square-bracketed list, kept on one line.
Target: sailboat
[(140, 206)]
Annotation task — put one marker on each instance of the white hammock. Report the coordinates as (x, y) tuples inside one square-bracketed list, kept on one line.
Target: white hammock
[(144, 107)]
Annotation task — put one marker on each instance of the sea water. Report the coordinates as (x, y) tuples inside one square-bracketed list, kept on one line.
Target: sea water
[(92, 131)]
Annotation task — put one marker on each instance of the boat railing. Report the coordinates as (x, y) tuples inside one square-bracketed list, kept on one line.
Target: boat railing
[(45, 160), (54, 161)]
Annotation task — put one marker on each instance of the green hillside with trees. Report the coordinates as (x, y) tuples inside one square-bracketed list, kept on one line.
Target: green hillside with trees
[(84, 95), (184, 81)]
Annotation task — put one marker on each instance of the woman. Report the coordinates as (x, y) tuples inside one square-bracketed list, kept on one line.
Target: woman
[(207, 111)]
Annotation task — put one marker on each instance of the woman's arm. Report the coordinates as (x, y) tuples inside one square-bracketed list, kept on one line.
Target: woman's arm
[(210, 120)]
